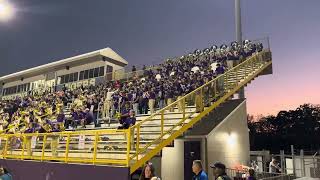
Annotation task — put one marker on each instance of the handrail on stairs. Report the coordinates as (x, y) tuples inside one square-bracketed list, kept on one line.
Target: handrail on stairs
[(203, 96)]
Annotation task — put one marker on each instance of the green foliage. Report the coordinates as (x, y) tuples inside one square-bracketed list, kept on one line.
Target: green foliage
[(299, 127)]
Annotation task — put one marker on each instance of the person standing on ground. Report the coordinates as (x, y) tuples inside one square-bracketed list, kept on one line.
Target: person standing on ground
[(274, 166), (219, 171), (198, 171)]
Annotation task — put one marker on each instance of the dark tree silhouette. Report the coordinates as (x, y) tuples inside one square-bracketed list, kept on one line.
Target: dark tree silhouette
[(299, 127)]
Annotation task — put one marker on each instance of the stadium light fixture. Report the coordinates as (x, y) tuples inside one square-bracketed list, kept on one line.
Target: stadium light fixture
[(6, 10), (232, 139)]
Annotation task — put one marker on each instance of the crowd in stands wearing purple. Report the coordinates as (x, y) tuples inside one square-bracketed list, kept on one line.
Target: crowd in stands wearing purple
[(121, 100)]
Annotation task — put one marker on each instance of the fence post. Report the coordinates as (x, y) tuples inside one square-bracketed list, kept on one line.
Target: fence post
[(314, 166), (282, 161), (128, 134), (293, 160), (138, 142), (303, 170)]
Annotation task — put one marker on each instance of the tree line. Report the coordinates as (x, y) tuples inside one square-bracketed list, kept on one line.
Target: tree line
[(299, 127)]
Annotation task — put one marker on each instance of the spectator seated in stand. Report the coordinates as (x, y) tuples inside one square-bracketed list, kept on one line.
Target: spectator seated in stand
[(157, 88)]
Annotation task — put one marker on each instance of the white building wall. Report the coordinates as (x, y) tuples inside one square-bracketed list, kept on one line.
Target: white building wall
[(80, 68), (229, 141), (63, 72), (26, 80), (172, 161)]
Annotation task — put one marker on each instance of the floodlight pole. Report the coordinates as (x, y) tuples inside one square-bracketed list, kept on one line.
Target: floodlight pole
[(237, 14)]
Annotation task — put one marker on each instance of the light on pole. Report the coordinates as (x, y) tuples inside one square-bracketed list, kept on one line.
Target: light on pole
[(6, 10)]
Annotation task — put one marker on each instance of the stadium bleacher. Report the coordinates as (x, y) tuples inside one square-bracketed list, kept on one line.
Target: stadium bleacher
[(31, 122), (163, 84)]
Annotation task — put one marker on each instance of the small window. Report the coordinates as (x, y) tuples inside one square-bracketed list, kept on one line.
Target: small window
[(71, 77), (86, 74), (14, 89), (96, 72), (62, 80), (66, 78), (19, 88), (101, 71), (91, 73), (75, 76), (81, 75)]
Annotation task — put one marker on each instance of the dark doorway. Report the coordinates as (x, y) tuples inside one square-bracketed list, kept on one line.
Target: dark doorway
[(191, 152)]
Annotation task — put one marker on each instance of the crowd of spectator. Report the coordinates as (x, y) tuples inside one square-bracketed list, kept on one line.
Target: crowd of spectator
[(158, 87)]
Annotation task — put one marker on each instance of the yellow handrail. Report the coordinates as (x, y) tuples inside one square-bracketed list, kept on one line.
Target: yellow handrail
[(230, 81), (197, 89)]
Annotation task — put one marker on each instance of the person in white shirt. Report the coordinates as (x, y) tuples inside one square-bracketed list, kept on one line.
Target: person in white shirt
[(107, 105), (274, 166), (158, 77), (213, 66), (195, 69)]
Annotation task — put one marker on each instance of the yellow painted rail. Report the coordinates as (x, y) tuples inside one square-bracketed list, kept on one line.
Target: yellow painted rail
[(134, 146)]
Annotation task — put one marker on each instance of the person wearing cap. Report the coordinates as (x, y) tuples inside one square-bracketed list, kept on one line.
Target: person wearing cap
[(198, 171), (219, 171)]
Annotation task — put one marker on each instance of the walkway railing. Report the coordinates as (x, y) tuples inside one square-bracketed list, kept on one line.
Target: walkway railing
[(243, 174)]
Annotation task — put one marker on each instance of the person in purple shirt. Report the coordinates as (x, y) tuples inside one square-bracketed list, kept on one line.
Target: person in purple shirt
[(88, 118), (151, 99), (219, 69), (30, 129)]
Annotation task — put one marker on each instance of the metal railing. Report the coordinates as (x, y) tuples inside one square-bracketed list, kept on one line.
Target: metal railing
[(133, 146), (210, 95), (243, 174)]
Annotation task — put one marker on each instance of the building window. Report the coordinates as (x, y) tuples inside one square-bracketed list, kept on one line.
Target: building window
[(81, 75), (70, 77), (86, 74), (101, 71), (96, 72), (66, 78), (91, 73), (75, 76)]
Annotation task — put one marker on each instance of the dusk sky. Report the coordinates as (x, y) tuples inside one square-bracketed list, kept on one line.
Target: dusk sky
[(147, 31)]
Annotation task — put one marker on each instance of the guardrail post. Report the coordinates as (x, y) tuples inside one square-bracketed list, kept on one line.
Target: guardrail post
[(6, 147), (96, 138), (128, 131), (66, 158), (183, 108), (44, 142), (201, 98), (23, 146), (162, 123), (138, 142)]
